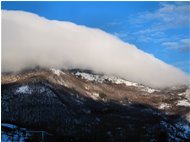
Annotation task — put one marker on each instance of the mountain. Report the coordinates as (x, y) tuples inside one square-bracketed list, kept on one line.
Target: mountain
[(80, 105)]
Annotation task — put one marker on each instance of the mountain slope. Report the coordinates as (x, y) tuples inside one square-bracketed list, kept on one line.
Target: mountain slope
[(78, 105)]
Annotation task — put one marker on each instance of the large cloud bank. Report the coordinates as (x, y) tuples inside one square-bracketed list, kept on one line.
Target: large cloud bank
[(29, 40)]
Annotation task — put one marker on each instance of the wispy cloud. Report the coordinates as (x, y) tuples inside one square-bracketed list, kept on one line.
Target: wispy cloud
[(181, 45), (169, 16), (122, 35), (114, 23), (149, 35)]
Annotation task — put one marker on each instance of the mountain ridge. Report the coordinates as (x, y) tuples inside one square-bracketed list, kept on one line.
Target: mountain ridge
[(69, 105)]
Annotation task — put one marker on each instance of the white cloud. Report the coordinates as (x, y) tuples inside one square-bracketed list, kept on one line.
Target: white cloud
[(122, 35), (156, 24), (169, 15), (114, 23), (182, 45), (29, 40)]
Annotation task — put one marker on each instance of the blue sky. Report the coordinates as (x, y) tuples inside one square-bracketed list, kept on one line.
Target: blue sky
[(159, 28)]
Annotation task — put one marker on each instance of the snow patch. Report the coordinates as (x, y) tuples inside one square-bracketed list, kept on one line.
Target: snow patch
[(187, 93), (42, 89), (86, 87), (62, 82), (185, 128), (181, 94), (104, 78), (147, 89), (17, 133), (121, 81), (86, 76), (112, 79), (181, 129), (24, 90), (7, 125), (34, 89), (57, 72), (164, 105), (95, 96), (183, 103)]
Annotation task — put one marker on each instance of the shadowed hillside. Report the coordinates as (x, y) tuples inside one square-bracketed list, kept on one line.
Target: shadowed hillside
[(71, 108)]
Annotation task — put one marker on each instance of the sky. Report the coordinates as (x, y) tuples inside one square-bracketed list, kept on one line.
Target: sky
[(159, 28)]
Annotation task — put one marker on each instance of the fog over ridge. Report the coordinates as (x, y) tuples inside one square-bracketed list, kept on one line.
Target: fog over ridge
[(29, 40)]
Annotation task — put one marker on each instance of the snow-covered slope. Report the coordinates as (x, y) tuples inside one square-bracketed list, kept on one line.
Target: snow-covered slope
[(111, 79)]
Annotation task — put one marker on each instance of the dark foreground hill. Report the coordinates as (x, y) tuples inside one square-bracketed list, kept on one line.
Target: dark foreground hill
[(54, 105)]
